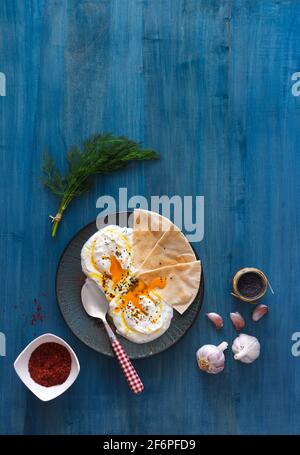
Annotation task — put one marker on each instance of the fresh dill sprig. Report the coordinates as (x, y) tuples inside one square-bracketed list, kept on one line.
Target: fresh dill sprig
[(100, 154)]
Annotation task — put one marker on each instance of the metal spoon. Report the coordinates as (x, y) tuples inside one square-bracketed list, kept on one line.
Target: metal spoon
[(96, 305)]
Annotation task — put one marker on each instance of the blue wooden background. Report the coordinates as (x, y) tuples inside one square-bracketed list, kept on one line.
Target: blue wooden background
[(207, 83)]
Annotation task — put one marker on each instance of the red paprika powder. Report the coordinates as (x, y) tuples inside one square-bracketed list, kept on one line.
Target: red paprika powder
[(50, 364)]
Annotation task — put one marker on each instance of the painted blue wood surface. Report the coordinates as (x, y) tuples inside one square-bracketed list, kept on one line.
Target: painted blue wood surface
[(208, 84)]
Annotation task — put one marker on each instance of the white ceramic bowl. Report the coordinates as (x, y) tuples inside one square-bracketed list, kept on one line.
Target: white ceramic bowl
[(21, 367)]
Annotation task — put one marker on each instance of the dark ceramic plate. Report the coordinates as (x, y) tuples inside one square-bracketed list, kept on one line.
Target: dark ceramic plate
[(69, 281)]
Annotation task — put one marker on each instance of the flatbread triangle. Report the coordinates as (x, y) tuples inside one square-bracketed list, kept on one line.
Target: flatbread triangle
[(148, 228), (172, 248), (182, 283)]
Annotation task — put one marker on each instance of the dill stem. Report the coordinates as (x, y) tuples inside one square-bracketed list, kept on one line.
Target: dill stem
[(54, 228), (62, 208)]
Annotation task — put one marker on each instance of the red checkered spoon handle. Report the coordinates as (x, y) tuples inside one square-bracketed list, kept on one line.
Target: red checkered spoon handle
[(130, 374)]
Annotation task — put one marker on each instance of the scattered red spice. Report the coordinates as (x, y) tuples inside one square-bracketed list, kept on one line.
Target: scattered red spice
[(37, 315), (50, 364)]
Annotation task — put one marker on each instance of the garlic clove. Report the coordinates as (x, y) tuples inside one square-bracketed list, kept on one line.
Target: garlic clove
[(216, 319), (259, 312), (237, 320)]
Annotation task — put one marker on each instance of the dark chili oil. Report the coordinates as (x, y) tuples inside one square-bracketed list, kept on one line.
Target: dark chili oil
[(250, 284)]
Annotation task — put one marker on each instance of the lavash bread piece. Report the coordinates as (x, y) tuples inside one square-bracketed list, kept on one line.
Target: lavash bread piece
[(148, 228), (182, 283), (172, 248)]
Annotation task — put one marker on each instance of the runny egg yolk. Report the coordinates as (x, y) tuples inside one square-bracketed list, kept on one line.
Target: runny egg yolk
[(157, 282), (116, 271), (141, 288)]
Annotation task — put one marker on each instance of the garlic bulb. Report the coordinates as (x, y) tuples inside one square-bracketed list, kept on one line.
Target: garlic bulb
[(246, 348), (211, 358)]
